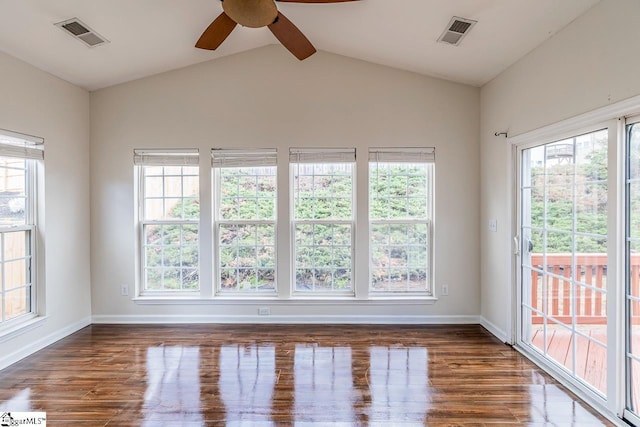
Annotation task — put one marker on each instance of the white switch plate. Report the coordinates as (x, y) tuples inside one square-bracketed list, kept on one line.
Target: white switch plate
[(493, 225), (445, 290), (124, 290)]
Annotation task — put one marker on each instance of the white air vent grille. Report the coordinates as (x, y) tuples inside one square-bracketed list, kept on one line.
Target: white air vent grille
[(75, 28), (80, 31), (456, 30)]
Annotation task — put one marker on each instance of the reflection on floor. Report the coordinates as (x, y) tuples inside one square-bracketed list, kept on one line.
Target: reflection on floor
[(208, 375)]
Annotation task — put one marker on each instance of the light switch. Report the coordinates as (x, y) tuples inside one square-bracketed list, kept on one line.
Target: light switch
[(493, 225)]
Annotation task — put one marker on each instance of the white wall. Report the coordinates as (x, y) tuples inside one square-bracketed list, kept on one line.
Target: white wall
[(267, 98), (591, 63), (37, 103)]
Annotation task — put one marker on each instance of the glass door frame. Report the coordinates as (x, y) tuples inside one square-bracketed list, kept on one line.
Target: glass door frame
[(627, 413), (614, 402)]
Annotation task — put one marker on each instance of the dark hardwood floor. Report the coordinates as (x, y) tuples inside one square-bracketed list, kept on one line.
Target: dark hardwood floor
[(211, 375)]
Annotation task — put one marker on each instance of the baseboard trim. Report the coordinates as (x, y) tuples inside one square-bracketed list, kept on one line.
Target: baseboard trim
[(381, 320), (41, 343), (493, 329)]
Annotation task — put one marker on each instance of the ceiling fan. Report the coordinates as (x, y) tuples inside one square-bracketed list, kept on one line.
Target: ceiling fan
[(256, 14)]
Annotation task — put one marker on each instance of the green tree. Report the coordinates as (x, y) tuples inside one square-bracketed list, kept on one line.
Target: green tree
[(575, 192), (172, 250)]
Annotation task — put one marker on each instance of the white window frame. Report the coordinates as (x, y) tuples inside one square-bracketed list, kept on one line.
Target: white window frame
[(299, 156), (232, 158), (161, 157), (30, 149), (405, 155)]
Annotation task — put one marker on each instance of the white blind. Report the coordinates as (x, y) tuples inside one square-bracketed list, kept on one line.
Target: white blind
[(322, 155), (409, 155), (178, 157), (14, 144), (229, 158)]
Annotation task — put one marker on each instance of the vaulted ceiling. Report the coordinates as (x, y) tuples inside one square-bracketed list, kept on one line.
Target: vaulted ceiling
[(152, 36)]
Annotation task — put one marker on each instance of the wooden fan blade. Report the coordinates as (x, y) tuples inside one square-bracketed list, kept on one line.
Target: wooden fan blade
[(314, 1), (216, 32), (291, 37)]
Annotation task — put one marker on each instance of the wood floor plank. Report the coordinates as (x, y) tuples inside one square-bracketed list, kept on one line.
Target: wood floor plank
[(209, 375)]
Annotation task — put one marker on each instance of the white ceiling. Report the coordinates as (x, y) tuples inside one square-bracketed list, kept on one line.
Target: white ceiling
[(151, 36)]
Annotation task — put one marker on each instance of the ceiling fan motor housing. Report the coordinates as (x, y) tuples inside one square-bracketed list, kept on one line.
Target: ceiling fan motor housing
[(251, 13)]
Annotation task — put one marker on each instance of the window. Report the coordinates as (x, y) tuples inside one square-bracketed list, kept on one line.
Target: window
[(18, 157), (400, 211), (245, 220), (323, 219), (241, 218), (169, 212)]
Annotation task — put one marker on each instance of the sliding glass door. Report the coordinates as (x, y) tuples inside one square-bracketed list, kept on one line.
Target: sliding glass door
[(577, 234), (563, 215)]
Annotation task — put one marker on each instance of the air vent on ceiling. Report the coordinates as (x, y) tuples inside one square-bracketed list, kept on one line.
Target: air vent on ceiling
[(79, 30), (456, 30)]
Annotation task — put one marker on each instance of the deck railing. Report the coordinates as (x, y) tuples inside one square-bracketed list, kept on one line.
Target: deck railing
[(590, 294)]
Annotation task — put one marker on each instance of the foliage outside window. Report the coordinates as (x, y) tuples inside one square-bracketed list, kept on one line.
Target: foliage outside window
[(169, 217), (568, 195), (245, 220), (18, 158), (323, 220), (400, 211)]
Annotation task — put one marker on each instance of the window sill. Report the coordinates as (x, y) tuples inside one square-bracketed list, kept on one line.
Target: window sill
[(417, 299), (294, 300), (22, 328)]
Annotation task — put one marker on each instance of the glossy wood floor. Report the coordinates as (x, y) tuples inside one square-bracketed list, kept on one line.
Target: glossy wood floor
[(212, 375)]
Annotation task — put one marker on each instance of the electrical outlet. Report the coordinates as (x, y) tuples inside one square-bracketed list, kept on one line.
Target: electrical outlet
[(493, 225), (264, 311), (124, 290), (445, 290)]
